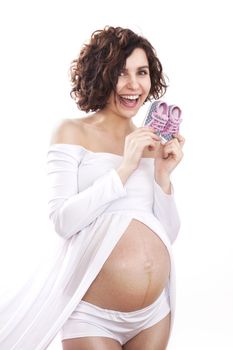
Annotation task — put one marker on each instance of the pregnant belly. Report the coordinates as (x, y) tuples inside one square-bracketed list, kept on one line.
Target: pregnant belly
[(135, 273)]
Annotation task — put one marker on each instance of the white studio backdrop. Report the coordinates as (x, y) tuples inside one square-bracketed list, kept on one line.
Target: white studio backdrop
[(192, 39)]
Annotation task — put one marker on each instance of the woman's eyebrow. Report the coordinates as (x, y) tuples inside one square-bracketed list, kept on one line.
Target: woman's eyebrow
[(141, 67)]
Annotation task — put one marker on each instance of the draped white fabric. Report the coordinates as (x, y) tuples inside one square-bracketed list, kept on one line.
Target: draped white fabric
[(90, 210)]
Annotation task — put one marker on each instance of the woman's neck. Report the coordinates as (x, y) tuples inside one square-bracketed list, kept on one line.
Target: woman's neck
[(113, 124)]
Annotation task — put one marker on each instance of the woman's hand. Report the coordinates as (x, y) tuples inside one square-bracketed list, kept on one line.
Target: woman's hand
[(135, 143), (169, 156)]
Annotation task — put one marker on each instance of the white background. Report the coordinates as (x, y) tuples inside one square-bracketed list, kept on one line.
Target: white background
[(193, 40)]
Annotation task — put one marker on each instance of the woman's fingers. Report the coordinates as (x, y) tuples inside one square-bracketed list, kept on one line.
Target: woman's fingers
[(148, 141), (144, 131), (180, 139), (174, 148)]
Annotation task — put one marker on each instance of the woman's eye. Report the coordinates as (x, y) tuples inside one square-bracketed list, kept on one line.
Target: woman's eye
[(143, 72)]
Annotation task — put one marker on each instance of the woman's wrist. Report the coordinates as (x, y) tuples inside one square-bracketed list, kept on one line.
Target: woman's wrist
[(163, 180), (124, 173)]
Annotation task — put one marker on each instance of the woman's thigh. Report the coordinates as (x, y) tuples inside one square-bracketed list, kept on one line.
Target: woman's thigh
[(91, 343), (153, 338)]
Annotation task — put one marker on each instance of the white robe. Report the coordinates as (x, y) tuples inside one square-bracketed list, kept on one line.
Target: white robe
[(91, 209)]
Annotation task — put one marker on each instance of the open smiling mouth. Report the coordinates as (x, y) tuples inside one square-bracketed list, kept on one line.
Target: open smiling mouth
[(129, 101)]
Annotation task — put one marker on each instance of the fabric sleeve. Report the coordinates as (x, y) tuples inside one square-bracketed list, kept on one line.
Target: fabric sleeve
[(164, 208), (70, 210)]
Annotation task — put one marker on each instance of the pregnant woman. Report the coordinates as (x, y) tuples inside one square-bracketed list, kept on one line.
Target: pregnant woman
[(111, 285), (112, 191)]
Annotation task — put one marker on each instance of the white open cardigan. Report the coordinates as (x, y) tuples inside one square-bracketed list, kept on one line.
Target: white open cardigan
[(91, 209)]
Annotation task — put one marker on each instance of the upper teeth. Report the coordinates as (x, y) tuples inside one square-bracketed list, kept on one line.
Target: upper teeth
[(130, 97)]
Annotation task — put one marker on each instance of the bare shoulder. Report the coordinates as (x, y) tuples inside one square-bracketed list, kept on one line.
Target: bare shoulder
[(69, 131)]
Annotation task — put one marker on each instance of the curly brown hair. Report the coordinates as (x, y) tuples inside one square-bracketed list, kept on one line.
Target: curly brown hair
[(94, 74)]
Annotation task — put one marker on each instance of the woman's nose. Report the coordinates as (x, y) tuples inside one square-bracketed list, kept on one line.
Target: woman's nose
[(132, 82)]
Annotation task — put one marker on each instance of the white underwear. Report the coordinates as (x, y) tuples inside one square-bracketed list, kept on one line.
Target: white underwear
[(89, 320)]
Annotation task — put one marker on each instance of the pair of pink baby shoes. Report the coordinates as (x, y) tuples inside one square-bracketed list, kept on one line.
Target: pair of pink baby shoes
[(164, 118)]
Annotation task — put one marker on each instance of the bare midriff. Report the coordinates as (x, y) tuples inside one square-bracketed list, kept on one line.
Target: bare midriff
[(134, 274)]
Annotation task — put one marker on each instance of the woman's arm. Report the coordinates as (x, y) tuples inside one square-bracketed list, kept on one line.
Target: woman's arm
[(164, 206), (69, 209)]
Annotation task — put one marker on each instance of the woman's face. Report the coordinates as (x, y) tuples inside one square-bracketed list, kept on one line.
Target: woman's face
[(133, 85)]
